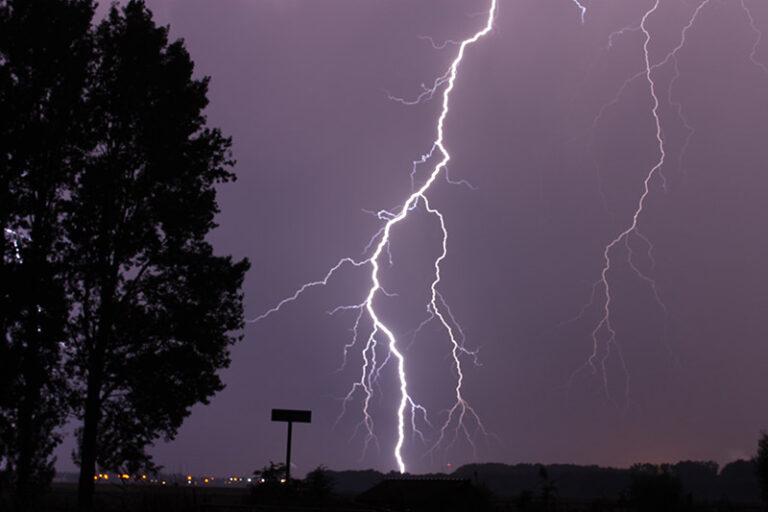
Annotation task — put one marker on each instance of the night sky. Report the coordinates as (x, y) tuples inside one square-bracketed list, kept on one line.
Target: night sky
[(556, 162)]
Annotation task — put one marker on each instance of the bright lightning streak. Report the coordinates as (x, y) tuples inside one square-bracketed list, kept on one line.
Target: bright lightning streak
[(449, 78), (307, 286), (380, 243), (582, 9), (460, 408)]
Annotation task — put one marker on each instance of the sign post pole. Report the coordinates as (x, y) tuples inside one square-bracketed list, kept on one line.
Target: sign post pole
[(288, 454), (289, 416)]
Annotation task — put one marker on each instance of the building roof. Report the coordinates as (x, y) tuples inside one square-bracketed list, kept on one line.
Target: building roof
[(424, 493)]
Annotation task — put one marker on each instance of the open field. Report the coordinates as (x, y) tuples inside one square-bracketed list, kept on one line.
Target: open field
[(172, 498)]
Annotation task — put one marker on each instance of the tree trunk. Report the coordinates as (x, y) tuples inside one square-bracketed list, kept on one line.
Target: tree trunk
[(24, 460), (91, 417), (92, 413), (31, 430)]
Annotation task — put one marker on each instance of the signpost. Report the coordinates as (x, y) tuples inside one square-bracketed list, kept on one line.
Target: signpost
[(290, 416)]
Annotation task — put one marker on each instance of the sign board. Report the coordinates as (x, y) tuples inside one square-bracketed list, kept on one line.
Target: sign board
[(291, 415)]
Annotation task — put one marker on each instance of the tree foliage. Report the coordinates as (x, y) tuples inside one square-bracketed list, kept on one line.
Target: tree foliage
[(761, 465), (44, 52), (319, 483), (157, 308), (654, 489), (114, 305)]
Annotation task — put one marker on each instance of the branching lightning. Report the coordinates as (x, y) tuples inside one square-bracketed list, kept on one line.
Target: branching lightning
[(377, 342), (604, 342), (598, 357), (461, 411), (440, 46)]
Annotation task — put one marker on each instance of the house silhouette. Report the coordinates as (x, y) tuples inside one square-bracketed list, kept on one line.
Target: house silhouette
[(426, 495)]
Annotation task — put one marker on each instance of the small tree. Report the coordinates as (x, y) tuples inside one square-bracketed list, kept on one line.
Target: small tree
[(761, 465), (270, 475), (269, 483), (319, 483), (654, 489), (547, 488)]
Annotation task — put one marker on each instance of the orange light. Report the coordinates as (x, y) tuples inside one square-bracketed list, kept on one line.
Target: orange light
[(189, 478), (206, 480), (95, 477), (143, 477), (106, 476)]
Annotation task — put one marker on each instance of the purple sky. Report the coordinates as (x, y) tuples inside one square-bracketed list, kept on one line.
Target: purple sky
[(301, 85)]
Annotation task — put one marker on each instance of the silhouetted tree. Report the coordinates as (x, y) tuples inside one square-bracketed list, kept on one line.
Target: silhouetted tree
[(524, 500), (109, 289), (738, 481), (699, 477), (44, 53), (654, 489), (547, 488), (269, 484), (271, 474), (761, 466), (155, 309), (319, 483)]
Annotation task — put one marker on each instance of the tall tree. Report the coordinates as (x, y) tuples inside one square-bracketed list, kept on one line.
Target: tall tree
[(155, 309), (44, 52)]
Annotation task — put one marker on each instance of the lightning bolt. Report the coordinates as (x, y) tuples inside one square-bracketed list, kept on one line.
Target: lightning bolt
[(440, 46), (449, 80), (582, 9), (678, 106), (604, 329), (437, 308), (758, 37), (618, 33)]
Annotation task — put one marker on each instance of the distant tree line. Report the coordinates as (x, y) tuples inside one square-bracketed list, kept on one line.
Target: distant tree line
[(701, 480), (697, 481), (114, 310)]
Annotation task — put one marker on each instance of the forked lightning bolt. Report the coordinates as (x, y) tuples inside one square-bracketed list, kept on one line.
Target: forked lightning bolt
[(601, 351), (604, 324), (380, 332)]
